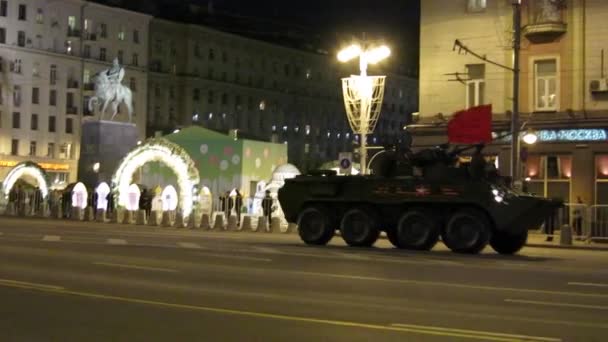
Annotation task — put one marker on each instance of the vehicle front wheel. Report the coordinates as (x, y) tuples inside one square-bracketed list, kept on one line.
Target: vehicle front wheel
[(417, 229), (359, 228), (467, 231), (505, 243), (314, 226)]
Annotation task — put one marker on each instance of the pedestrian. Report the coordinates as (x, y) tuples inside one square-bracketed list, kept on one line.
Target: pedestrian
[(550, 226), (37, 200), (110, 203), (238, 203), (577, 217), (267, 206), (66, 203), (230, 205), (222, 202)]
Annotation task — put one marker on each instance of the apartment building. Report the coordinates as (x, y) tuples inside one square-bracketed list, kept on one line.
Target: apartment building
[(226, 82), (563, 89), (49, 52)]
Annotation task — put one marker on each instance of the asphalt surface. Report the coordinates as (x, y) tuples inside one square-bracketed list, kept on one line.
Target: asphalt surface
[(69, 281)]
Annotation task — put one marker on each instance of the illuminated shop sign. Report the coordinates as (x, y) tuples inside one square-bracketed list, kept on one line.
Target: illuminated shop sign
[(45, 166), (572, 135)]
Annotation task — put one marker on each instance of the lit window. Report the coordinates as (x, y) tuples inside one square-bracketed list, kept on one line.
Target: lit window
[(476, 5), (545, 89), (39, 16), (475, 85), (307, 128), (121, 33), (262, 105)]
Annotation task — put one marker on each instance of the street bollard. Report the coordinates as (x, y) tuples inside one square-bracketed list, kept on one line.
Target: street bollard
[(218, 222), (232, 226), (117, 215), (291, 228), (205, 224), (100, 216), (565, 238), (88, 214), (262, 225), (275, 225), (128, 218), (141, 218), (76, 214), (246, 226), (153, 219), (180, 222), (166, 221)]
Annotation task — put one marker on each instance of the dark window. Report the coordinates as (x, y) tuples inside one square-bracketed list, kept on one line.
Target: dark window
[(69, 126), (211, 54), (53, 77), (120, 56), (34, 122), (87, 51), (15, 147), (224, 98), (211, 96), (133, 84), (32, 148), (196, 95), (16, 120), (3, 8), (21, 38), (135, 36), (2, 35), (135, 60), (17, 96), (35, 95), (102, 54), (22, 12), (70, 100), (52, 124), (53, 97)]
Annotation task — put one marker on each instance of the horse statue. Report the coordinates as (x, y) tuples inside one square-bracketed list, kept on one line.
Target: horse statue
[(109, 91)]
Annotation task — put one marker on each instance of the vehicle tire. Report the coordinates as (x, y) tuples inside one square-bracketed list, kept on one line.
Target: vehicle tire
[(467, 231), (505, 243), (359, 227), (418, 230), (314, 226)]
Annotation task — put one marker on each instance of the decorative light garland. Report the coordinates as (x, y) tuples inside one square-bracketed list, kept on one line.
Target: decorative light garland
[(26, 169), (168, 153)]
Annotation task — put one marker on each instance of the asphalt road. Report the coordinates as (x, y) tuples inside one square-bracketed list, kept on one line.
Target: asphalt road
[(68, 281)]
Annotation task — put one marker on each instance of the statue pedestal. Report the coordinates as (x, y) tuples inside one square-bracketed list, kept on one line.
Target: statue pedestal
[(106, 143)]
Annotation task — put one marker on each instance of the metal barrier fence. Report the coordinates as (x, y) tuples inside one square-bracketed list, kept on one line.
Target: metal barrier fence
[(586, 222)]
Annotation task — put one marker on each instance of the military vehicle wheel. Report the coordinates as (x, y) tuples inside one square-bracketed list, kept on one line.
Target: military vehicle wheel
[(505, 243), (417, 229), (467, 231), (314, 226), (359, 228)]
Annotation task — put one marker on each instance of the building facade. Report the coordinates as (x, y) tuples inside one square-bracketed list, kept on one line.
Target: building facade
[(563, 89), (226, 82), (49, 52)]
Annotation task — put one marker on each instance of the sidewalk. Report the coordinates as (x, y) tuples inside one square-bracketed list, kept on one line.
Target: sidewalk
[(536, 239)]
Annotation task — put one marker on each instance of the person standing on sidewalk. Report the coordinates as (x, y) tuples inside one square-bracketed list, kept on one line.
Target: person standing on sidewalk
[(577, 218)]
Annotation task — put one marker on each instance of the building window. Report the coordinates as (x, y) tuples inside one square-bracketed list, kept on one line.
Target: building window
[(40, 16), (52, 124), (545, 89), (68, 47), (34, 122), (53, 97), (17, 96), (2, 35), (69, 126), (210, 97), (224, 99), (171, 93), (120, 56), (16, 66), (476, 5), (211, 54), (3, 8), (87, 51), (16, 120), (22, 12), (71, 23), (103, 30), (21, 38), (32, 148), (157, 91), (88, 23), (102, 54), (121, 33), (35, 95), (53, 76), (133, 84), (475, 85), (549, 175), (65, 151), (136, 36), (135, 60), (86, 76), (15, 147), (50, 150), (196, 94)]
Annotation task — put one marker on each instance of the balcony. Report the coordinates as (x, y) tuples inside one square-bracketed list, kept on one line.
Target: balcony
[(545, 21), (73, 32), (72, 84), (71, 110)]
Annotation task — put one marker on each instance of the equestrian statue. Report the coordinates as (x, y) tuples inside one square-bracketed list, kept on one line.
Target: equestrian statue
[(109, 91)]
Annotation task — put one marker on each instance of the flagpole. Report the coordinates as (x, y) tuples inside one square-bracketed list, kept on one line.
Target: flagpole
[(515, 112)]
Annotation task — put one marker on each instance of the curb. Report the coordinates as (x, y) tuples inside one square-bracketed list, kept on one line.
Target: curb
[(580, 248)]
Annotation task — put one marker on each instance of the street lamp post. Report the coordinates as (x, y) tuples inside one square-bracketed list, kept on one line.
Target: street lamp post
[(515, 112), (366, 95)]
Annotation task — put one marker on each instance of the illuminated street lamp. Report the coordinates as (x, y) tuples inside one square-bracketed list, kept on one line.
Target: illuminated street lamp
[(530, 137), (363, 94)]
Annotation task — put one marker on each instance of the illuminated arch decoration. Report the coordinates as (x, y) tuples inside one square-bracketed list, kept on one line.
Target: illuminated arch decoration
[(26, 169), (80, 196), (163, 151)]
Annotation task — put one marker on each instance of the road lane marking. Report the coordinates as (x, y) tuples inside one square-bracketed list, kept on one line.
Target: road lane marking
[(280, 317), (450, 285), (18, 283), (137, 267), (502, 336), (573, 283), (267, 250), (236, 257), (567, 305), (190, 245), (117, 241), (51, 238), (351, 256)]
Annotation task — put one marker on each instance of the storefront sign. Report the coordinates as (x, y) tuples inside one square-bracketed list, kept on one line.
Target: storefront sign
[(45, 166), (573, 135)]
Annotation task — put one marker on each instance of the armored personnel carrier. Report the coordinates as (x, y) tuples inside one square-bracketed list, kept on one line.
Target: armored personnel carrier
[(417, 199)]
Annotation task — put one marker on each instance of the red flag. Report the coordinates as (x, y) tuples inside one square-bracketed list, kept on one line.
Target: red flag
[(471, 126)]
